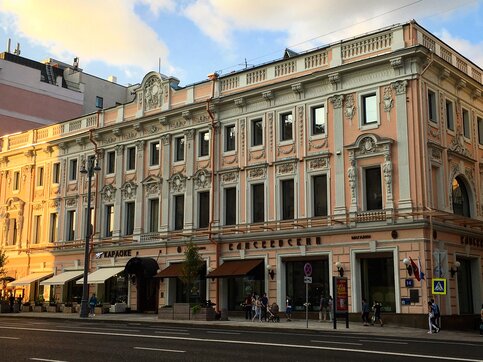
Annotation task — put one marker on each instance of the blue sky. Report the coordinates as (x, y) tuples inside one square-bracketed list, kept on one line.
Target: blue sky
[(193, 38)]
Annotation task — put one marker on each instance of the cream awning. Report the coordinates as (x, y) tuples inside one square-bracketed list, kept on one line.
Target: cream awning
[(62, 278), (101, 275), (29, 279)]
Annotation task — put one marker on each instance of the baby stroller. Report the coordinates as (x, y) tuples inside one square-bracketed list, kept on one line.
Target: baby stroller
[(273, 311)]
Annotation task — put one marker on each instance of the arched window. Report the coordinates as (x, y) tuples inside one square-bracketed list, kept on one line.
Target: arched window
[(461, 201)]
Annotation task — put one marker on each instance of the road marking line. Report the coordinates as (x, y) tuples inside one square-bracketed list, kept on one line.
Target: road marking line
[(160, 349), (172, 332), (215, 332), (333, 342), (251, 343), (381, 341), (10, 337), (47, 360)]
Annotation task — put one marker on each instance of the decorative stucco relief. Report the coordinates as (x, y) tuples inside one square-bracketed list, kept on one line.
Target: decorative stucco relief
[(153, 93), (128, 190)]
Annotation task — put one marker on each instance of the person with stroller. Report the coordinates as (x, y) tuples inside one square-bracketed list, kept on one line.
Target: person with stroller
[(376, 308), (272, 312), (288, 309)]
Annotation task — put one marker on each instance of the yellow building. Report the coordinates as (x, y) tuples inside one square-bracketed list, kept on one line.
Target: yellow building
[(355, 158)]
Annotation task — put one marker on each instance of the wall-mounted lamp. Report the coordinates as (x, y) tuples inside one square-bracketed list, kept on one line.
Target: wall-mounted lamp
[(271, 272), (409, 268), (454, 268), (340, 269)]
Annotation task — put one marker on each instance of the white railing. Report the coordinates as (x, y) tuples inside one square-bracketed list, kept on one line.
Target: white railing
[(230, 83), (256, 76), (315, 60), (285, 68), (368, 45)]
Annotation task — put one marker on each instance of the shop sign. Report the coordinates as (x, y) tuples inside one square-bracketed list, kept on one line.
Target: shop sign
[(264, 244), (114, 253)]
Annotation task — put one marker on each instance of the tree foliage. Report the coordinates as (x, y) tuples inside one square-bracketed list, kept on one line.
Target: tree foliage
[(191, 267), (3, 262)]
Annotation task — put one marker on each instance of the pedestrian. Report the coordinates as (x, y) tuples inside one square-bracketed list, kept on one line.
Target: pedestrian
[(288, 309), (254, 303), (264, 301), (377, 313), (258, 309), (247, 305), (11, 301), (481, 324), (431, 319), (323, 309), (365, 312), (92, 305), (437, 314), (330, 307)]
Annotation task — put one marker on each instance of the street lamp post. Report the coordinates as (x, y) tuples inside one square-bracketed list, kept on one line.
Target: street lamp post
[(92, 165)]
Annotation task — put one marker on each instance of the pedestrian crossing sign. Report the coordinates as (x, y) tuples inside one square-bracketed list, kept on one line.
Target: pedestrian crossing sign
[(439, 286)]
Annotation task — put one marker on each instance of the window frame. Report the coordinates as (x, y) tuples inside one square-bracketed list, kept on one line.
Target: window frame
[(225, 138), (153, 223), (108, 220), (281, 122), (53, 227), (199, 218), (366, 183), (253, 199), (283, 194), (432, 104), (129, 223), (313, 212), (37, 229), (178, 224), (130, 158), (479, 124), (99, 102), (202, 144), (363, 115), (450, 114), (253, 131), (466, 123), (229, 206), (312, 116), (39, 182), (73, 165), (177, 156), (154, 154), (71, 223), (16, 181)]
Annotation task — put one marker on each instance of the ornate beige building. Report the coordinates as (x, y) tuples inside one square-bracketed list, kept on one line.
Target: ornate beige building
[(351, 157)]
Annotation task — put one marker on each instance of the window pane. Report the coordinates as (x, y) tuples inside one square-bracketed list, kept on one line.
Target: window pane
[(154, 151), (286, 126), (369, 104), (204, 209), (204, 143), (16, 180), (53, 227), (449, 115), (258, 203), (480, 130), (153, 215), (373, 188), (287, 200), (320, 195), (466, 123), (71, 222), (131, 158), (73, 170), (56, 173), (179, 149), (179, 212), (257, 132), (230, 206), (129, 218), (230, 138), (318, 120), (37, 229), (109, 220), (111, 161)]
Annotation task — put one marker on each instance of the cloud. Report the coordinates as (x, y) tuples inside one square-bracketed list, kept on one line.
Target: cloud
[(108, 31), (469, 50)]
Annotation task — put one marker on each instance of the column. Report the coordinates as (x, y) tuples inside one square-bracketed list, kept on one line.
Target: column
[(165, 174), (190, 195), (116, 230), (339, 159), (139, 205)]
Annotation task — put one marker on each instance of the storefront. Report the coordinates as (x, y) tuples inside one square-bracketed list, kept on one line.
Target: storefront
[(141, 272), (63, 287), (29, 287), (111, 283)]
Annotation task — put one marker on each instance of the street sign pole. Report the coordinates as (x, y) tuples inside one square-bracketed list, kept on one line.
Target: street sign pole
[(307, 304)]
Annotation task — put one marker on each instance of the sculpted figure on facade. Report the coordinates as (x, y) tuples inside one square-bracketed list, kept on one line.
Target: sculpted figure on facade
[(387, 171), (153, 93), (351, 175)]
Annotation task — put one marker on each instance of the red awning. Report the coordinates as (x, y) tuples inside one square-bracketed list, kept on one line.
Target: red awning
[(172, 271), (235, 268)]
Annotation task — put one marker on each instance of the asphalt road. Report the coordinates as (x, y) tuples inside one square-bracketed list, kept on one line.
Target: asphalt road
[(86, 340)]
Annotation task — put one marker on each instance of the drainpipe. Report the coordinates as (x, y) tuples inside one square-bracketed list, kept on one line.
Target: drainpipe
[(213, 77)]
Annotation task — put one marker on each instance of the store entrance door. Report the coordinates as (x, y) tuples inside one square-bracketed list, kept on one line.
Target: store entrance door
[(377, 279)]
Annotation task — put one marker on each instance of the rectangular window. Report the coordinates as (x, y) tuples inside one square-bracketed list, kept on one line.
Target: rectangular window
[(73, 169), (154, 154), (56, 173), (71, 225), (16, 180), (449, 115), (258, 203), (203, 209), (153, 215), (369, 108), (479, 121), (179, 149), (179, 212), (54, 226), (432, 106), (129, 218), (318, 120), (130, 158), (230, 143), (15, 232), (37, 229), (99, 102), (373, 188), (466, 123), (257, 132), (286, 129), (319, 184), (230, 206), (204, 143), (40, 176), (288, 201), (109, 220), (111, 162)]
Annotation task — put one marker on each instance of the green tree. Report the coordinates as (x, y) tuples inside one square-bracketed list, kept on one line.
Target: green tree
[(191, 267), (3, 262)]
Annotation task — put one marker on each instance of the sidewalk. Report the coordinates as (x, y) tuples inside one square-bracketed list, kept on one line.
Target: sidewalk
[(299, 325)]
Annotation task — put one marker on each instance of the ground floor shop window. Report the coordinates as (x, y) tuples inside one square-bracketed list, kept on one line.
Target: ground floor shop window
[(197, 292), (72, 292), (116, 289), (377, 280), (295, 285), (240, 287), (465, 289)]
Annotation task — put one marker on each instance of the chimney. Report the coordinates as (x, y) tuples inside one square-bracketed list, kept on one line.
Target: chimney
[(9, 42)]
